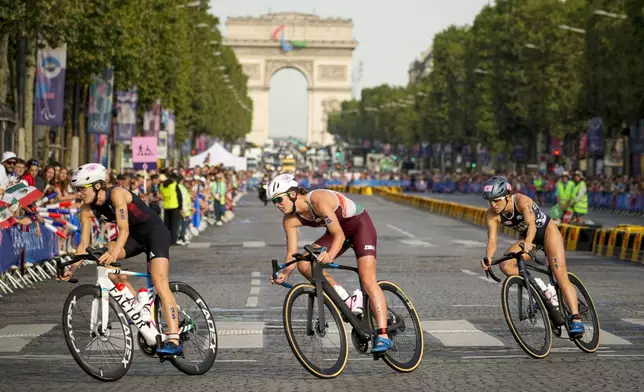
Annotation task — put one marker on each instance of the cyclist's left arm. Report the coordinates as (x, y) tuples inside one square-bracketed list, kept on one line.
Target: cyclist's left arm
[(525, 206), (321, 201), (119, 200)]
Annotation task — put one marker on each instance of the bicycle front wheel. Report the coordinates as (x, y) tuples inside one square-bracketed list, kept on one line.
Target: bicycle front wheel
[(404, 330), (530, 325), (197, 331), (104, 356), (321, 349), (589, 342)]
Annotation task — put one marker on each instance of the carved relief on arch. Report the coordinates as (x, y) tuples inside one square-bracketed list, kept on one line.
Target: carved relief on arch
[(304, 66), (333, 72), (252, 70)]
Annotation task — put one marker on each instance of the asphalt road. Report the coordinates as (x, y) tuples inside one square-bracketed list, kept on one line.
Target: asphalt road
[(606, 219), (467, 343)]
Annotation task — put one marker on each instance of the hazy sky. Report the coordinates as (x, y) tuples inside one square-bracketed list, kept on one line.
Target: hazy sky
[(390, 35)]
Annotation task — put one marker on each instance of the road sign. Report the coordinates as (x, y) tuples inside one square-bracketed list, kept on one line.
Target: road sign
[(144, 151)]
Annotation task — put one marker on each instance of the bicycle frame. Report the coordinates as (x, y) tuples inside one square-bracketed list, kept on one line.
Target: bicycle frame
[(555, 314), (361, 327), (108, 289)]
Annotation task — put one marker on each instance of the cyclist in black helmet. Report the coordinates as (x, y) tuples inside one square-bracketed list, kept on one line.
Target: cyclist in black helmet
[(521, 213)]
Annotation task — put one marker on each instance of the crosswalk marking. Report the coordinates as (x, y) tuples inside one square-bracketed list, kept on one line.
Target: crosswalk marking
[(412, 242), (254, 244), (15, 337), (459, 333), (469, 243), (199, 245), (240, 334), (634, 321)]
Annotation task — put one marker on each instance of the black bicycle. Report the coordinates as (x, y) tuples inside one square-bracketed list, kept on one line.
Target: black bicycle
[(318, 337), (531, 327)]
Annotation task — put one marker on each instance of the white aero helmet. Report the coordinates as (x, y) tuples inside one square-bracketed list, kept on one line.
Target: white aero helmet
[(280, 184), (89, 174)]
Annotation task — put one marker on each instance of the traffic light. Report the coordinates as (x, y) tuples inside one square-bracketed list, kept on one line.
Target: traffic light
[(557, 152), (473, 165)]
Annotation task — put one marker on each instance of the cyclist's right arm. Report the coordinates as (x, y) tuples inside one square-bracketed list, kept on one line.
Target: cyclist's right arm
[(492, 229), (86, 216), (291, 224)]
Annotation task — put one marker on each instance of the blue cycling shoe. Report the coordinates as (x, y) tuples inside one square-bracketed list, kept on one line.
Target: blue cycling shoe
[(170, 349), (381, 345), (576, 328)]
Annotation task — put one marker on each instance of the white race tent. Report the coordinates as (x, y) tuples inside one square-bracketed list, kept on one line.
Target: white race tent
[(216, 155)]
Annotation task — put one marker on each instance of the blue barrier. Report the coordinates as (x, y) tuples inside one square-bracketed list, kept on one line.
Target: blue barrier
[(10, 248), (14, 243)]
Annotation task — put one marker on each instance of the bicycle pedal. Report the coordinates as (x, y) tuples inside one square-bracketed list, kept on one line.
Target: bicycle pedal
[(378, 356)]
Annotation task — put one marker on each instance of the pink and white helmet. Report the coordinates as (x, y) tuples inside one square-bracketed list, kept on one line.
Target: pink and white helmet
[(89, 174), (280, 184)]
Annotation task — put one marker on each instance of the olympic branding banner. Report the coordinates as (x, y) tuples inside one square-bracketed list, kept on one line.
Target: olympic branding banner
[(50, 86)]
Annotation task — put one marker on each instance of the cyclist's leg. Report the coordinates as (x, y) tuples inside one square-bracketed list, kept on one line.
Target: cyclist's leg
[(159, 248), (305, 267), (509, 267), (365, 241), (556, 254), (131, 248)]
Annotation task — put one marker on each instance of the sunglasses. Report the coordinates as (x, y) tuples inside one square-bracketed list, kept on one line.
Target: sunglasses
[(12, 163), (496, 201), (278, 199), (81, 187)]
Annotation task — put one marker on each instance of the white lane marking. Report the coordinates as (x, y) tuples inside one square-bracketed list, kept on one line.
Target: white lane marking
[(255, 274), (401, 231), (634, 321), (251, 302), (255, 282), (604, 337), (475, 305), (417, 243), (494, 356), (15, 337), (69, 357), (468, 272), (240, 334), (254, 290), (469, 243), (620, 355), (199, 245), (254, 244), (507, 241), (459, 333)]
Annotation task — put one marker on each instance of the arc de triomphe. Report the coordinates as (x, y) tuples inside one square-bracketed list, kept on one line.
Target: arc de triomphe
[(320, 48)]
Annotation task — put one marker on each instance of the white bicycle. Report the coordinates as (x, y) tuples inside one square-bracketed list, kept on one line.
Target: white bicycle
[(98, 321)]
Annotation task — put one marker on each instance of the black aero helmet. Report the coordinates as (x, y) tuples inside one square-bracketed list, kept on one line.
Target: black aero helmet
[(496, 188)]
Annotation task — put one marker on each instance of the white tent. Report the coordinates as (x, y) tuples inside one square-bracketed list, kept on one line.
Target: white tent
[(215, 155)]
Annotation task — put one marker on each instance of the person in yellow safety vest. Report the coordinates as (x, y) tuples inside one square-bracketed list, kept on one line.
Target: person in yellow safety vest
[(564, 191), (172, 201), (540, 188), (186, 211), (579, 198)]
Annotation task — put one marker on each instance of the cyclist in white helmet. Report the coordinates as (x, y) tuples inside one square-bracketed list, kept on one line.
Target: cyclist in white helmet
[(344, 220), (140, 230)]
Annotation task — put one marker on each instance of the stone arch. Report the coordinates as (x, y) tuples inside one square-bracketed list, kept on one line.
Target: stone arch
[(324, 57)]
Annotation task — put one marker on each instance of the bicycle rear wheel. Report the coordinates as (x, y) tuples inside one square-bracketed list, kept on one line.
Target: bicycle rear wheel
[(530, 330), (303, 331), (408, 340), (589, 342), (109, 355), (197, 331)]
